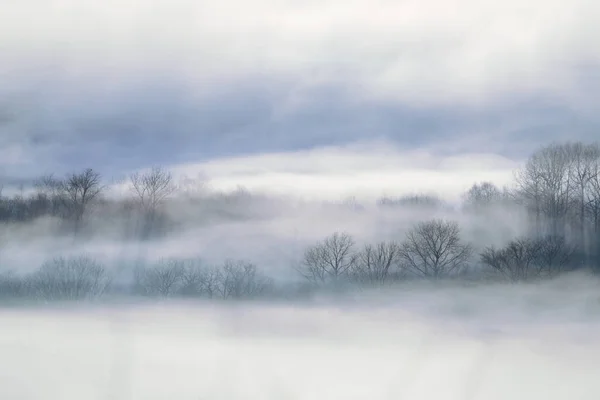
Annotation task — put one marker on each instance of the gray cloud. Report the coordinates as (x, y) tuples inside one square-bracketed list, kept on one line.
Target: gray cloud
[(121, 86), (425, 52)]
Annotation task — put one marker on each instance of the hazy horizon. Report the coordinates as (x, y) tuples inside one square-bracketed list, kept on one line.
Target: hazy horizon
[(433, 93), (245, 272)]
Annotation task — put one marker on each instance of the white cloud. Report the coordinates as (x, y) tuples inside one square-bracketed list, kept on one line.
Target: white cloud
[(421, 51), (366, 171)]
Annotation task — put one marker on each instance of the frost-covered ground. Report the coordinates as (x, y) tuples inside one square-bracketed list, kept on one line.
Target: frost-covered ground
[(492, 342)]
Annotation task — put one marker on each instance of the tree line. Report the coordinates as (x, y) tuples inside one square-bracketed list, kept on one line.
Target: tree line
[(558, 189), (70, 200), (431, 250), (434, 250), (84, 278)]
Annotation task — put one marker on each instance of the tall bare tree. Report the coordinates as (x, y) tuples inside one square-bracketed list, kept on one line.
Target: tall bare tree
[(529, 191), (556, 179), (152, 187), (151, 190), (49, 188), (376, 264), (79, 191), (434, 249), (545, 185), (330, 260), (593, 207), (583, 159)]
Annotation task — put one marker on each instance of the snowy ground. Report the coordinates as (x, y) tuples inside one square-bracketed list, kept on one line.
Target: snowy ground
[(495, 343)]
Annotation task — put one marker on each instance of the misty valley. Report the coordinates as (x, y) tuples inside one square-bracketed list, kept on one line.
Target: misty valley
[(299, 200), (155, 287), (154, 235)]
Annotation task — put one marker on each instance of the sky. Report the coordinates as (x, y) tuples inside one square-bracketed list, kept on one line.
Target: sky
[(315, 99), (333, 97)]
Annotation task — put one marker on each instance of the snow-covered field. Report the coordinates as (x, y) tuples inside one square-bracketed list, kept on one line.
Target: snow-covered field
[(503, 342)]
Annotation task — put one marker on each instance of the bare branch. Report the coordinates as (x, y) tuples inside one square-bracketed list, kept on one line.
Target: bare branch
[(153, 187), (376, 263), (525, 259), (331, 259), (433, 249), (73, 278)]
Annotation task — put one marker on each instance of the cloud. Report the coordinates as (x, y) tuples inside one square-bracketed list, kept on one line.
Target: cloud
[(426, 52), (121, 85), (366, 170)]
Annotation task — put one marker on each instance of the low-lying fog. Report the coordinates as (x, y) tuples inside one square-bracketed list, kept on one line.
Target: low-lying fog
[(430, 339), (411, 342), (272, 232), (124, 280)]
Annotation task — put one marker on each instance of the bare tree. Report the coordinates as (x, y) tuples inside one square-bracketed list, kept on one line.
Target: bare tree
[(482, 195), (376, 264), (199, 280), (516, 262), (547, 181), (330, 260), (593, 197), (530, 258), (48, 184), (49, 188), (583, 160), (434, 249), (558, 186), (592, 206), (73, 278), (556, 255), (164, 278), (241, 279), (79, 191), (529, 191), (152, 189), (191, 278)]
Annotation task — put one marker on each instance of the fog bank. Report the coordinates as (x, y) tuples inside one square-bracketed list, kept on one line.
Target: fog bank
[(518, 342)]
